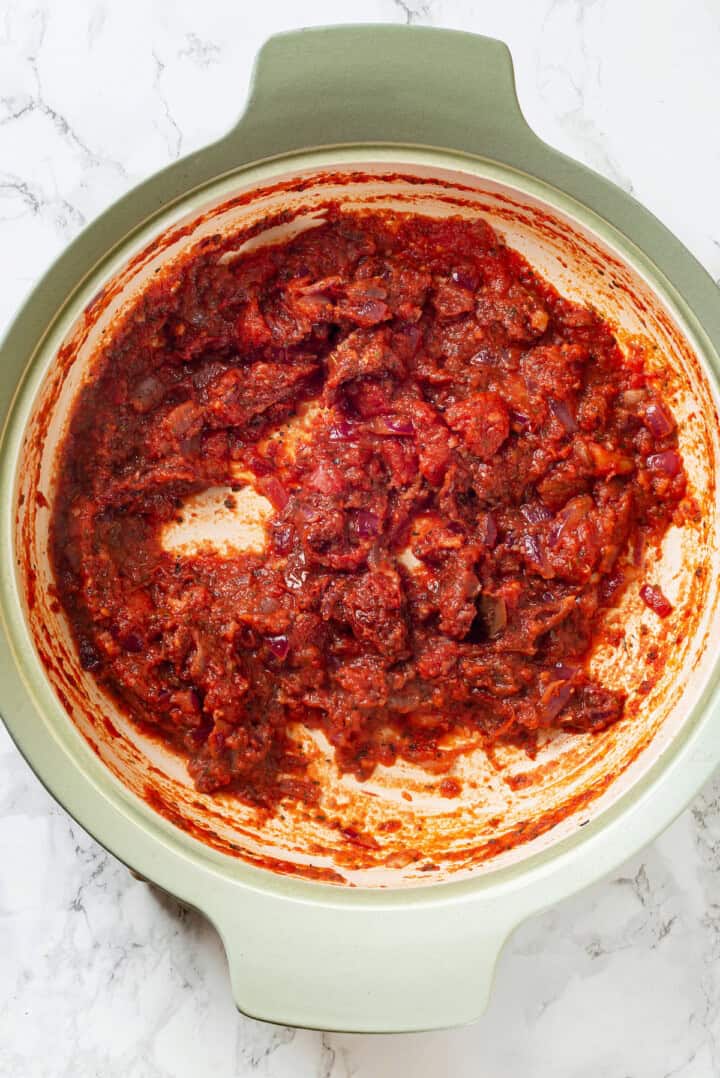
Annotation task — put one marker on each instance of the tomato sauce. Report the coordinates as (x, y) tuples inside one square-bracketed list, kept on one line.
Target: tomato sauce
[(475, 474)]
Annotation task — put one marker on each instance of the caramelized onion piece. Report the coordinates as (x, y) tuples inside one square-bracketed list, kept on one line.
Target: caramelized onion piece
[(668, 462), (658, 420)]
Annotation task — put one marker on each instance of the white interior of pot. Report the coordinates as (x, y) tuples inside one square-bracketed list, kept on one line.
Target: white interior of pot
[(510, 805)]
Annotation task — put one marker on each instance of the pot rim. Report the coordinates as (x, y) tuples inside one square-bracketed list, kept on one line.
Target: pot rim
[(687, 748), (282, 933)]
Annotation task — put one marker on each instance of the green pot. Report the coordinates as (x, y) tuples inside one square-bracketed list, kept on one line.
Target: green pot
[(435, 112)]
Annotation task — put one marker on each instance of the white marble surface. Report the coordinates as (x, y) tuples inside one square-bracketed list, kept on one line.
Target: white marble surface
[(99, 976)]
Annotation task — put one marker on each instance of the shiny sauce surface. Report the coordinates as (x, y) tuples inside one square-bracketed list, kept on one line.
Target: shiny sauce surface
[(461, 468)]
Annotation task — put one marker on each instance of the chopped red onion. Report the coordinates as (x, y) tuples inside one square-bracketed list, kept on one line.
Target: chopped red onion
[(326, 478), (283, 535), (367, 524), (279, 645), (611, 585), (533, 551), (535, 512), (668, 462), (274, 491), (555, 533), (554, 699), (255, 463), (217, 741), (392, 426), (295, 573), (401, 426), (342, 431), (562, 413), (652, 596), (370, 311), (304, 512), (484, 357), (487, 529), (518, 419), (575, 510), (658, 420)]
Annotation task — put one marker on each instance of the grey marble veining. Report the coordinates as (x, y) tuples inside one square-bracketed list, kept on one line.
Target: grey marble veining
[(101, 975)]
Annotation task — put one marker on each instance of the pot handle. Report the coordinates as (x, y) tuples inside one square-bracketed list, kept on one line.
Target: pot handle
[(370, 84), (359, 964), (400, 962)]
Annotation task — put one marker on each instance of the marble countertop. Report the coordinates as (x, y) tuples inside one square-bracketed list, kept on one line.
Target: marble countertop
[(101, 976)]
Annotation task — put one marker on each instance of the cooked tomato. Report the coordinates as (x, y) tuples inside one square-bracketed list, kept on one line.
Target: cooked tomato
[(478, 462)]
